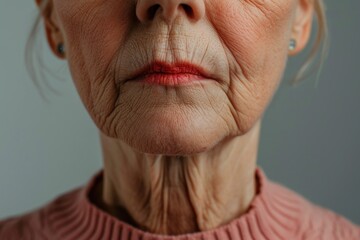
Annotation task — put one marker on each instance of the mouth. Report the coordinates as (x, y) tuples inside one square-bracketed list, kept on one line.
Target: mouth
[(162, 73)]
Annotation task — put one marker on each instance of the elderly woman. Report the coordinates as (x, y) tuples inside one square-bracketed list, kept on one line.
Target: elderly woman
[(177, 89)]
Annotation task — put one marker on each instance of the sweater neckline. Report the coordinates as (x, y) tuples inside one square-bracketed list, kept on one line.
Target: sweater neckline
[(272, 214)]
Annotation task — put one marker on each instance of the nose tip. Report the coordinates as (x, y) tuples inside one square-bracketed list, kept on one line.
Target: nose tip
[(168, 10)]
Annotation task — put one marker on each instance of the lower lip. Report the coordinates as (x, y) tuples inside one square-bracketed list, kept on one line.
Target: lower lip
[(170, 79)]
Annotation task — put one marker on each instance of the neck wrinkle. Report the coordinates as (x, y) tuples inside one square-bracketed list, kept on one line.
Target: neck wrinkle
[(180, 195)]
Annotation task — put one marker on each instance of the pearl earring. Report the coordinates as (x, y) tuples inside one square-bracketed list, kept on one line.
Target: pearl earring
[(292, 44), (61, 48)]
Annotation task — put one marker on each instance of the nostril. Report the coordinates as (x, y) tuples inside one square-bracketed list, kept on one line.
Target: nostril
[(168, 10), (152, 11), (188, 10)]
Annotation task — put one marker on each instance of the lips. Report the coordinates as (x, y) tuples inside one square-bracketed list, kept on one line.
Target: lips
[(162, 73)]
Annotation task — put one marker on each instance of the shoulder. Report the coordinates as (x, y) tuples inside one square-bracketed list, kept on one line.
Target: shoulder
[(319, 223), (21, 227), (34, 224), (327, 224)]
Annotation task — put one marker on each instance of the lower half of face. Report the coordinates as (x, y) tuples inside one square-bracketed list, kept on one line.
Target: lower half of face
[(240, 47)]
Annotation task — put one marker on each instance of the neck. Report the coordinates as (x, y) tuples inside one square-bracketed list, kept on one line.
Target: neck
[(179, 194)]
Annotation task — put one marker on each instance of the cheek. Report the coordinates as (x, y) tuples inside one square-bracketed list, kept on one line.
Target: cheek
[(255, 37), (93, 34)]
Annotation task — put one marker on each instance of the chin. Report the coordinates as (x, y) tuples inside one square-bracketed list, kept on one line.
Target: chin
[(162, 136), (171, 145)]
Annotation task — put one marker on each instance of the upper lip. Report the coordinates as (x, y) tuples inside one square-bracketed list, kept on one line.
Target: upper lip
[(159, 67)]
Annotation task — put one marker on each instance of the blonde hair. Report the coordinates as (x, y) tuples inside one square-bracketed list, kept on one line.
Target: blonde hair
[(313, 62), (319, 48)]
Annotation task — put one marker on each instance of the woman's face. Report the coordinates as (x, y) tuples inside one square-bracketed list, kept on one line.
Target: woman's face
[(241, 47)]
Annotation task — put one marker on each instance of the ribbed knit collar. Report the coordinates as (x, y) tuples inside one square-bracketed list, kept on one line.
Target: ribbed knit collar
[(272, 214)]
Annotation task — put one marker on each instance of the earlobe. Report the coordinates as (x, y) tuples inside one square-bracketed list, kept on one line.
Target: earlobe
[(53, 34), (54, 39), (302, 25)]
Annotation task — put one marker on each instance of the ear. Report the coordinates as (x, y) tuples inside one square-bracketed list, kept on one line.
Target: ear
[(302, 24), (51, 23)]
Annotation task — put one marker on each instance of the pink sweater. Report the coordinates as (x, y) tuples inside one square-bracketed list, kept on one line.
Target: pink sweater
[(276, 213)]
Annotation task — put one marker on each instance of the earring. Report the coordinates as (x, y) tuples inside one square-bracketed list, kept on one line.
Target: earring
[(292, 44), (61, 48)]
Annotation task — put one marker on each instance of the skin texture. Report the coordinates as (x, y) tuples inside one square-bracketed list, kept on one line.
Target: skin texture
[(177, 159)]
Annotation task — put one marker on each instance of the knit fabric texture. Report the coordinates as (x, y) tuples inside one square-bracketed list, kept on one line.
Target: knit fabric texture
[(275, 213)]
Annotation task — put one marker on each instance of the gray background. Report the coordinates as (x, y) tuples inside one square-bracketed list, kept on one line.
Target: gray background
[(310, 136)]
